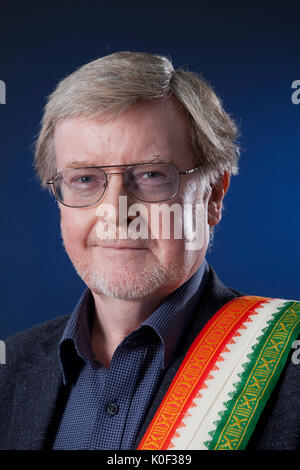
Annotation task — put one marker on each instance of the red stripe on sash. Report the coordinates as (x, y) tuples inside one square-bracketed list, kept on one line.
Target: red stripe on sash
[(200, 360)]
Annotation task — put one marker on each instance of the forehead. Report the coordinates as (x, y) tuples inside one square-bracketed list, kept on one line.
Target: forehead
[(157, 129)]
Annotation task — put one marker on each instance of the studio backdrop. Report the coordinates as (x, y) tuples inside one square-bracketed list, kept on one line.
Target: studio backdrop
[(249, 53)]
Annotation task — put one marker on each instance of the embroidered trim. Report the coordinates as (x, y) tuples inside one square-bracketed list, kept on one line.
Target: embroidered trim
[(219, 363), (257, 382), (195, 369)]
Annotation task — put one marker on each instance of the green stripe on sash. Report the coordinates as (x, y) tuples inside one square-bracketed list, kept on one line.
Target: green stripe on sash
[(261, 373)]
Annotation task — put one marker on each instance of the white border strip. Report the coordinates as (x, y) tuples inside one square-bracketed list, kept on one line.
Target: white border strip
[(202, 416)]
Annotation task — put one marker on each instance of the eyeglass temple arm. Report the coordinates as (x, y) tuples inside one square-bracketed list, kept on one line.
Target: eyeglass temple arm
[(192, 170)]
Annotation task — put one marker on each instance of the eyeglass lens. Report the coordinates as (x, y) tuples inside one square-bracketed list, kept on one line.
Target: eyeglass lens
[(81, 187)]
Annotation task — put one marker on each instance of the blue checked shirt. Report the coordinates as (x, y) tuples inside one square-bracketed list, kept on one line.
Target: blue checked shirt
[(106, 406)]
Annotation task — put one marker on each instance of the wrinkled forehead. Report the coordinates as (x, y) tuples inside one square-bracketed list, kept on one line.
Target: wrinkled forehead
[(155, 129)]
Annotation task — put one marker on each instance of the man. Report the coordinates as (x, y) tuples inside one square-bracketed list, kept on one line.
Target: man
[(120, 137)]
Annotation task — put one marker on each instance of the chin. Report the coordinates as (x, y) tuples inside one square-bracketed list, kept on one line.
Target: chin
[(130, 284)]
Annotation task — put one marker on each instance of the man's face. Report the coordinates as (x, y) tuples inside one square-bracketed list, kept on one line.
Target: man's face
[(153, 129)]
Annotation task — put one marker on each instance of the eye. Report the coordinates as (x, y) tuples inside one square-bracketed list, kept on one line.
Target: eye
[(85, 179), (151, 175), (83, 182)]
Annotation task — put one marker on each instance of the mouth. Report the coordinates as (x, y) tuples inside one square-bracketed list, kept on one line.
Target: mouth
[(119, 247), (122, 248)]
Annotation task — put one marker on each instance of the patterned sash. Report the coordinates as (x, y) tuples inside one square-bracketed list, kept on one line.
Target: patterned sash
[(227, 376)]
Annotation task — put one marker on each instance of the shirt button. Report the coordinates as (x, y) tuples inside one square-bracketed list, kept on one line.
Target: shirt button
[(112, 409)]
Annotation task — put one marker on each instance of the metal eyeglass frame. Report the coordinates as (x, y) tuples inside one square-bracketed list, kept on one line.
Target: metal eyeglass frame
[(180, 172)]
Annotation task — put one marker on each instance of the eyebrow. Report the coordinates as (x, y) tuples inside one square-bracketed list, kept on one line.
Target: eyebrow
[(86, 163), (77, 164)]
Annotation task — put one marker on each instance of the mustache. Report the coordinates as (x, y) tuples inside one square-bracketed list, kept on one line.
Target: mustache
[(116, 236), (110, 230)]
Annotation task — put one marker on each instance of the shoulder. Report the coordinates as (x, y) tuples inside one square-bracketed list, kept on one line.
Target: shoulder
[(278, 426), (29, 380), (25, 347), (218, 290)]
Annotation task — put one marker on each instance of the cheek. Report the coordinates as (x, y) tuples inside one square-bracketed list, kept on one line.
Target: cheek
[(170, 250), (194, 222), (195, 225), (192, 236), (74, 231)]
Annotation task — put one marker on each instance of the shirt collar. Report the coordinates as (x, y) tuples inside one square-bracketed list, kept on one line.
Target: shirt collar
[(171, 317), (75, 341), (168, 321)]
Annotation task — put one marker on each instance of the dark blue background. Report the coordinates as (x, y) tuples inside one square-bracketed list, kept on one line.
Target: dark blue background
[(250, 53)]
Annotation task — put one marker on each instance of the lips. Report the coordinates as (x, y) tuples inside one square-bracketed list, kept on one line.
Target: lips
[(121, 246)]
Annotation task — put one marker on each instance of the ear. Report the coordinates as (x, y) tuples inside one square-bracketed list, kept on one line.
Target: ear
[(219, 189)]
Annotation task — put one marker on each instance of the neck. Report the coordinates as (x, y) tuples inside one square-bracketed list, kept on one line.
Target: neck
[(115, 319)]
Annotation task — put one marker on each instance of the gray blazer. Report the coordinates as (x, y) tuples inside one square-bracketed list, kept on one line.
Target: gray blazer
[(32, 394)]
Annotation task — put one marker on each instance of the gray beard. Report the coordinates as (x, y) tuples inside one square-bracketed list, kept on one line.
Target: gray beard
[(128, 285)]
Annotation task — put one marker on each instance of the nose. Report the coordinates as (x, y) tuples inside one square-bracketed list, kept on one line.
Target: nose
[(111, 197), (115, 188)]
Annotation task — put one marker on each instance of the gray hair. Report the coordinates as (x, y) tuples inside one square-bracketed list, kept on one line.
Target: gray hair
[(110, 85)]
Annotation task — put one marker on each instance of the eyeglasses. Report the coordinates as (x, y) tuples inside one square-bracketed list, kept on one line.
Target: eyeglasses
[(147, 182)]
